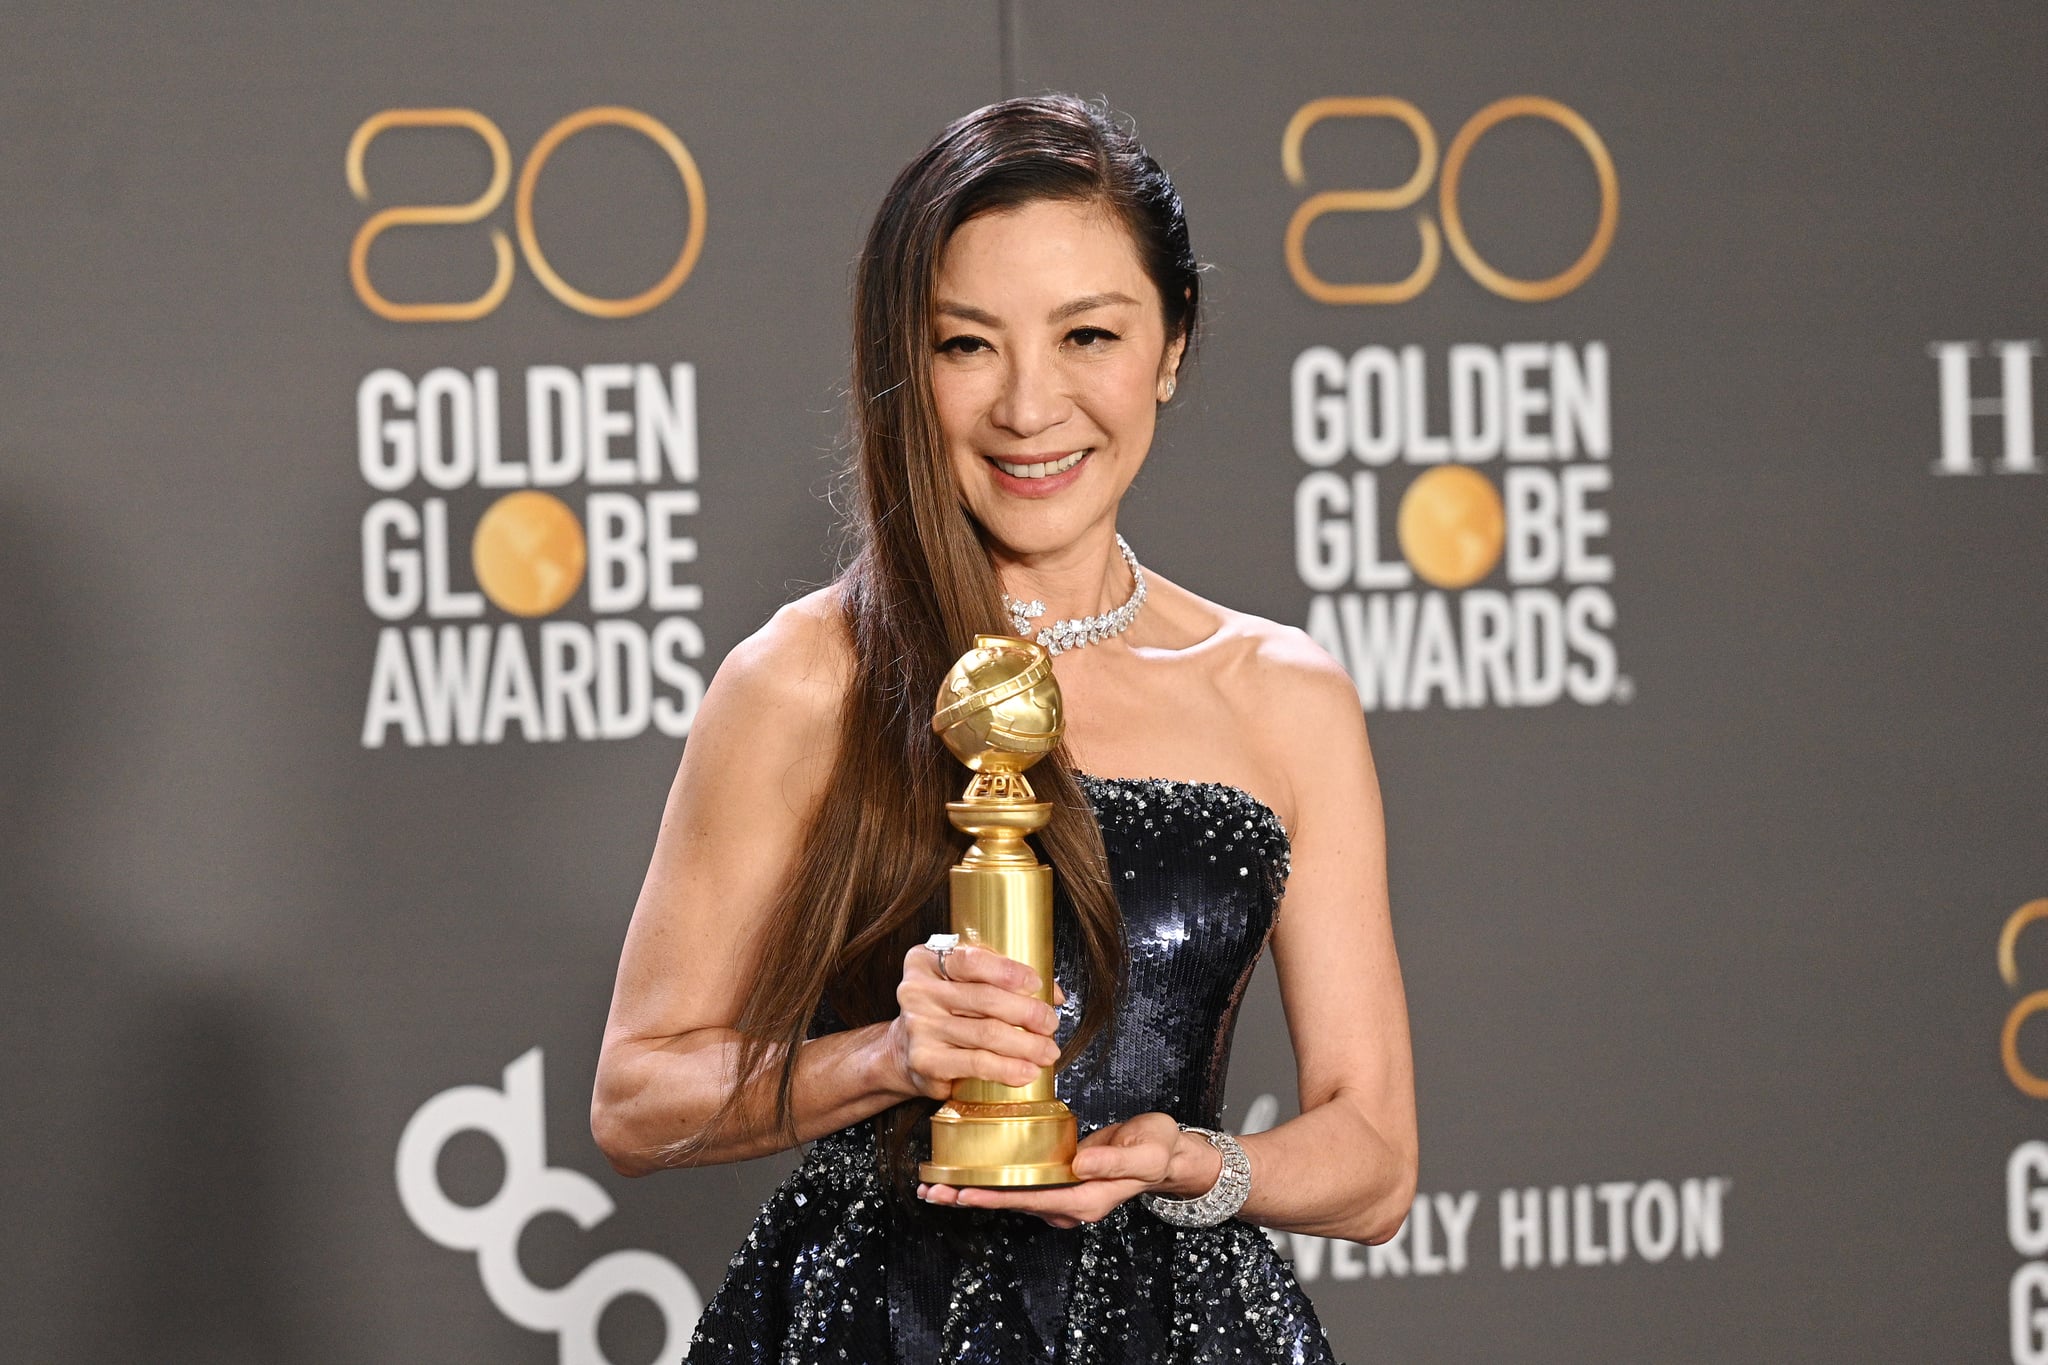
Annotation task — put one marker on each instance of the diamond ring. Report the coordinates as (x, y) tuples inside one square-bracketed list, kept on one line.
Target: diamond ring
[(940, 945)]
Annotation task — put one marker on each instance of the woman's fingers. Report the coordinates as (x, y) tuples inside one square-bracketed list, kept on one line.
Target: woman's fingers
[(974, 1001), (1147, 1162), (1115, 1163), (978, 1020), (1012, 1041), (969, 962), (947, 1063), (1004, 1040), (993, 1002), (955, 1047), (1063, 1206)]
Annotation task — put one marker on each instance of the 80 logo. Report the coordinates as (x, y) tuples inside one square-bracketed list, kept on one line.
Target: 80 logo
[(475, 210), (1410, 191)]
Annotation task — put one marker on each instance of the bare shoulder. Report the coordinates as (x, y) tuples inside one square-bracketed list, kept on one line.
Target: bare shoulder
[(1292, 703), (1284, 685), (803, 654), (1262, 665), (1285, 657), (775, 701)]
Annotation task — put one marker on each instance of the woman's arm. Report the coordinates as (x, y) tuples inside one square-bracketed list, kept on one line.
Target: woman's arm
[(751, 777), (1346, 1166), (759, 757)]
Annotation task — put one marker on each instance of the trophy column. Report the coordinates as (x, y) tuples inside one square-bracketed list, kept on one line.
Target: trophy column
[(999, 712)]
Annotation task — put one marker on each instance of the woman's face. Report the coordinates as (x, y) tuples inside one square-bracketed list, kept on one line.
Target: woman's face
[(1049, 360)]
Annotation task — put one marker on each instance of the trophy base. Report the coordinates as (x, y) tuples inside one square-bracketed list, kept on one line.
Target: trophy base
[(1001, 1146)]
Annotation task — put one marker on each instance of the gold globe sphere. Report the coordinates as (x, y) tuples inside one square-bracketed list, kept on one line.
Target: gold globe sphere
[(1451, 526), (999, 707), (529, 553)]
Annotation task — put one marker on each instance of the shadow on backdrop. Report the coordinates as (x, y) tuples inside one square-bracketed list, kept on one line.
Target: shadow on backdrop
[(142, 1162)]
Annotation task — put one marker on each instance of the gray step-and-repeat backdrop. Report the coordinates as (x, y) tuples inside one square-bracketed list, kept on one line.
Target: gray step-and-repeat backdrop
[(406, 406)]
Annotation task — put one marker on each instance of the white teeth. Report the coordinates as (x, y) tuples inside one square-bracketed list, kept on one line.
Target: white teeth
[(1041, 469)]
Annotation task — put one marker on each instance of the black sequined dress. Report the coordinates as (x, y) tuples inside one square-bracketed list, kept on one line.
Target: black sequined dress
[(836, 1269)]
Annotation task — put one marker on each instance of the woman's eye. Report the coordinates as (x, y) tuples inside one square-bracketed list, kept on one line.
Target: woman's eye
[(961, 345), (1090, 336)]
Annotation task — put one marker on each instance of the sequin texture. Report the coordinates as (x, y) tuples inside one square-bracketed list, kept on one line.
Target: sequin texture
[(836, 1269)]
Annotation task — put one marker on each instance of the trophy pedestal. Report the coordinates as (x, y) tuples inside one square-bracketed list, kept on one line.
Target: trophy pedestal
[(1005, 1146)]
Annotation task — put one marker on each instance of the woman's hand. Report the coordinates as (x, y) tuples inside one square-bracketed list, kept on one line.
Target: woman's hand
[(1116, 1163), (982, 1021)]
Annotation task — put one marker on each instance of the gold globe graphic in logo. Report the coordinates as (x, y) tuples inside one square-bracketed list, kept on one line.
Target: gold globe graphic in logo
[(529, 553), (1451, 526)]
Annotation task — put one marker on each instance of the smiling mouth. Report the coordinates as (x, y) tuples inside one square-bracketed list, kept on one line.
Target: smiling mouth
[(1039, 469)]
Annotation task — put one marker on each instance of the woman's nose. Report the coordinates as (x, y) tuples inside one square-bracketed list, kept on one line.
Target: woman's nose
[(1033, 397)]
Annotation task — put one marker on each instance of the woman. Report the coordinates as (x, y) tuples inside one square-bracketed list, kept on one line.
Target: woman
[(1023, 304)]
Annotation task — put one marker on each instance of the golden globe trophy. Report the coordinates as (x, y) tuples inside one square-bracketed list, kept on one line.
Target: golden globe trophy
[(999, 712)]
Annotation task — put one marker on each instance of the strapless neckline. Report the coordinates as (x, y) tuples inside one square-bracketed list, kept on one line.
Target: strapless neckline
[(1259, 809)]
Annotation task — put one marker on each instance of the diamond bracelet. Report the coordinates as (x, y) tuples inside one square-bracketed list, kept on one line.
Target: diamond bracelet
[(1233, 1185)]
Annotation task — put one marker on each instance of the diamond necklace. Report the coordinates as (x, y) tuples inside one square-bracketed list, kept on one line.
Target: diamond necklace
[(1080, 630)]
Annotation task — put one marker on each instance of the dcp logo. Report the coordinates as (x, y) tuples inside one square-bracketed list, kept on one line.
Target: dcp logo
[(515, 1119)]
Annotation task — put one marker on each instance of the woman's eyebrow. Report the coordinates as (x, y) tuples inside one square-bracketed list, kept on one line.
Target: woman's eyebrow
[(1085, 303), (962, 310)]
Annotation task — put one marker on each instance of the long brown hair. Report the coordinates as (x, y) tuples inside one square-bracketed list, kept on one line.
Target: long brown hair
[(870, 877)]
